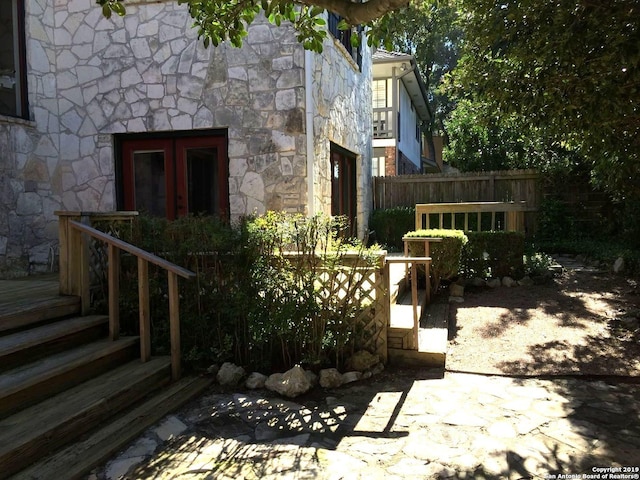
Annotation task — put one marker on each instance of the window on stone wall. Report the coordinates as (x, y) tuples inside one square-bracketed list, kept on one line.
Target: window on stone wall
[(344, 37), (13, 81), (172, 176)]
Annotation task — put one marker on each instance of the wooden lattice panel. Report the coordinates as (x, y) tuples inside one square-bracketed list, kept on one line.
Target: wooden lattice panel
[(360, 290)]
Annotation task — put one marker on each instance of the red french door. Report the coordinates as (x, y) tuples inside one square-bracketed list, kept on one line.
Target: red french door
[(170, 177)]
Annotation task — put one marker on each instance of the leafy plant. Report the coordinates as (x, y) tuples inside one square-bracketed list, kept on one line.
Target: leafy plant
[(445, 255)]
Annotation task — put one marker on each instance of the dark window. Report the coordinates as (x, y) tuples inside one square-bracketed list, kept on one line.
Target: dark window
[(174, 176), (13, 80), (399, 129), (343, 185), (344, 37)]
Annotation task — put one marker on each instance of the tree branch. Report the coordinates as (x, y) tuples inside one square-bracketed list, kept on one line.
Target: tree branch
[(357, 13)]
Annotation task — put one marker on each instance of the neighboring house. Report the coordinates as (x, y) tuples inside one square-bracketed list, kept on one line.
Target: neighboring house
[(134, 113), (400, 109)]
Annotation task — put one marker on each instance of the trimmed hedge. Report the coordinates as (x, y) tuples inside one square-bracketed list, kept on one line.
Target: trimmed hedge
[(445, 255), (390, 225), (493, 254)]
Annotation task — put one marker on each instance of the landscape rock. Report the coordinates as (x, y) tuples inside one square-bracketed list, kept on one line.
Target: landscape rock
[(508, 282), (493, 283), (375, 370), (255, 380), (350, 377), (525, 281), (453, 299), (230, 374), (213, 369), (477, 282), (292, 383), (312, 377), (618, 265), (330, 378), (456, 290), (361, 361)]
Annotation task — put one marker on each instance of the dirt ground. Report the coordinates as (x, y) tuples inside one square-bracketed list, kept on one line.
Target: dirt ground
[(583, 321)]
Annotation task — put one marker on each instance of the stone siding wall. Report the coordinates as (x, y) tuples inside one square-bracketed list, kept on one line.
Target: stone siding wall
[(342, 115), (91, 77)]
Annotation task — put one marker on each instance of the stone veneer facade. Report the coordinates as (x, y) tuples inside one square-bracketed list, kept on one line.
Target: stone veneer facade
[(90, 78)]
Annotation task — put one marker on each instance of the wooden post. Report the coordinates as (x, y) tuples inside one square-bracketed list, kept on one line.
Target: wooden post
[(383, 300), (63, 255), (84, 288), (114, 291), (174, 324), (414, 301), (145, 313)]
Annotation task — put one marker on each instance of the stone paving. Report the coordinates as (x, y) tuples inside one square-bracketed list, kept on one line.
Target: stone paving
[(398, 425)]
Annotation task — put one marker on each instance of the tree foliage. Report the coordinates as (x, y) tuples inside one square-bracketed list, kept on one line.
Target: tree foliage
[(227, 20), (570, 66), (431, 32)]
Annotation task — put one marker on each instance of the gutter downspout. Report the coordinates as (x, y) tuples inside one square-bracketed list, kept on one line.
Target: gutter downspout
[(308, 94), (396, 103)]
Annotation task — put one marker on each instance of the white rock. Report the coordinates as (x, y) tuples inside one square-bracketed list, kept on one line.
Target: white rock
[(493, 282), (255, 380), (230, 374), (508, 282), (525, 281), (361, 360), (453, 299), (292, 383), (349, 377), (618, 265), (330, 378), (456, 290), (477, 282)]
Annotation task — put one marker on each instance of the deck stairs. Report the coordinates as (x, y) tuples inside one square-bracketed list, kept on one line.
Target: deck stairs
[(69, 396), (431, 349)]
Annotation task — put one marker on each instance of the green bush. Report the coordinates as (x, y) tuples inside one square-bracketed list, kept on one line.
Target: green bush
[(271, 292), (445, 255), (390, 225), (493, 254)]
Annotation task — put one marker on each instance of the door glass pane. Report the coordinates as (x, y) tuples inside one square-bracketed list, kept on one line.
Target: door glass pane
[(150, 182), (202, 181)]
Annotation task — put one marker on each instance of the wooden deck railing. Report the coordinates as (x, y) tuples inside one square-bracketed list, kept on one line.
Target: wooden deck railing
[(513, 214), (74, 280)]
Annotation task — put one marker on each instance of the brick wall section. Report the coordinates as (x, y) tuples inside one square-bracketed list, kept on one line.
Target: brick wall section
[(406, 166), (390, 161)]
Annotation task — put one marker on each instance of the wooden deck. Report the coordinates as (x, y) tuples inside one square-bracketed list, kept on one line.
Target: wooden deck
[(23, 291), (31, 300)]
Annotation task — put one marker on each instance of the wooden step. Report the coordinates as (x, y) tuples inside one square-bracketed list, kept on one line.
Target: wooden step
[(97, 447), (31, 383), (29, 345), (20, 314), (33, 433)]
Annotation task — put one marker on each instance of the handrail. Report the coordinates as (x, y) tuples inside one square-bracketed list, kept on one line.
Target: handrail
[(132, 249), (74, 268)]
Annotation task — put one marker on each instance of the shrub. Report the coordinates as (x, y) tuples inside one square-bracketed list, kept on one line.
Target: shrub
[(271, 292), (391, 224), (493, 254), (445, 255)]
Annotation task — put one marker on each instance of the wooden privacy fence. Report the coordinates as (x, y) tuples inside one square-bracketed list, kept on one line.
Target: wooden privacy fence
[(498, 186)]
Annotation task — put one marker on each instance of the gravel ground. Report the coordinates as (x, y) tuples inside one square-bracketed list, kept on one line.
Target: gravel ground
[(582, 322)]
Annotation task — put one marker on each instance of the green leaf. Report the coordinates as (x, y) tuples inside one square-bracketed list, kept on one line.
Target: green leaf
[(343, 25), (106, 11), (119, 9)]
